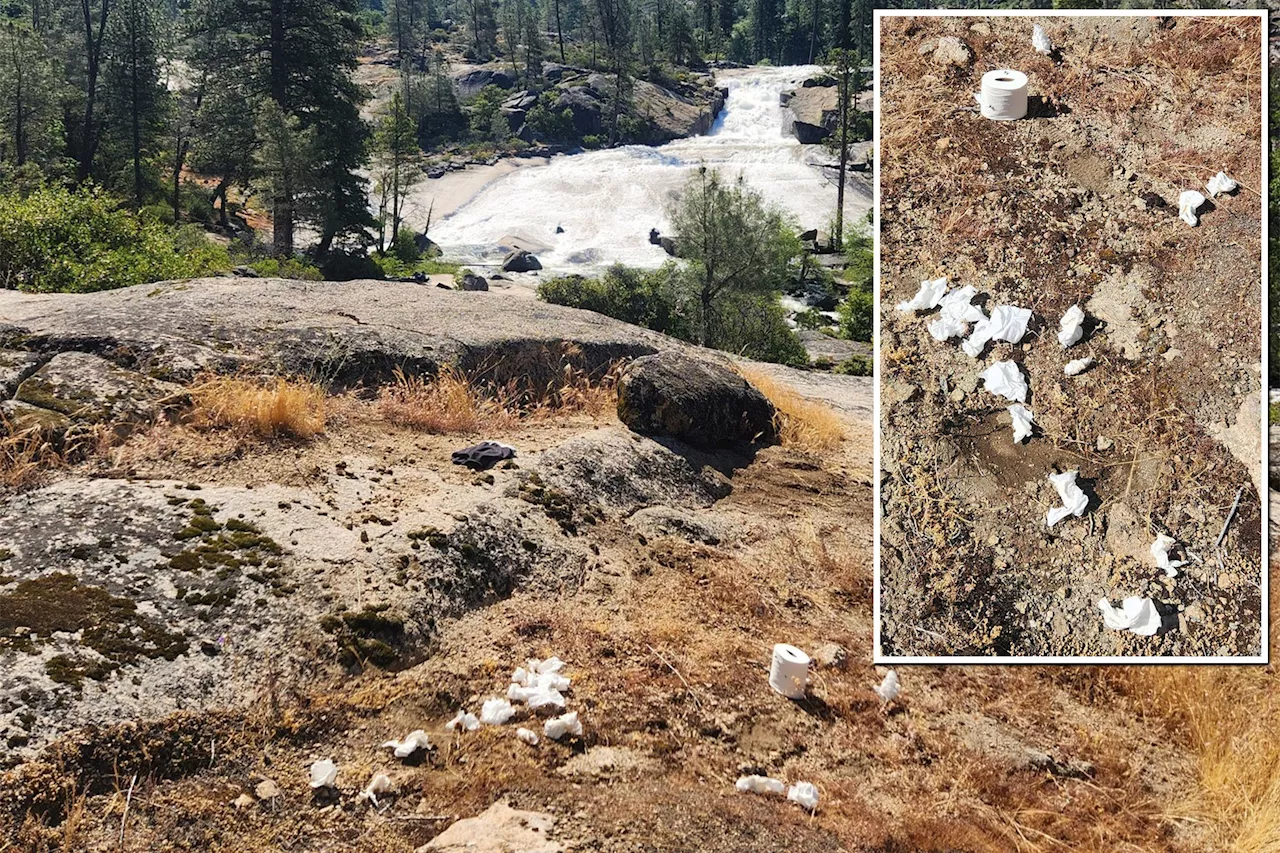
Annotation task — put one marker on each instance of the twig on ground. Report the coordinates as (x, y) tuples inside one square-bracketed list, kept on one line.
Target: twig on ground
[(1234, 506)]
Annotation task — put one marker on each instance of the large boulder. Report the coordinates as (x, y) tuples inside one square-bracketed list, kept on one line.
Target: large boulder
[(586, 105), (698, 402), (473, 282), (15, 366), (521, 260), (471, 82), (90, 389), (812, 113)]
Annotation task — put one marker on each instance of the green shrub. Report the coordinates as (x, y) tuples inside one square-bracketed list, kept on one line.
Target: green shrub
[(855, 365), (811, 318), (287, 268), (548, 123), (646, 298), (57, 240), (855, 314), (405, 246)]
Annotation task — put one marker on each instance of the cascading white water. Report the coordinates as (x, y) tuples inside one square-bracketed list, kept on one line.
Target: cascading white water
[(606, 201)]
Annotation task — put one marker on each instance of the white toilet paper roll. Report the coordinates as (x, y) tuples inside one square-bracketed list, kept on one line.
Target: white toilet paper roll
[(789, 674), (1004, 95)]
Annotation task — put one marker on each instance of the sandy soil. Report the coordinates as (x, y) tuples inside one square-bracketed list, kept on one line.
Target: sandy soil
[(1075, 205)]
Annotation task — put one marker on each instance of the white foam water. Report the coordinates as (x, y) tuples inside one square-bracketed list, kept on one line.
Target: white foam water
[(607, 201)]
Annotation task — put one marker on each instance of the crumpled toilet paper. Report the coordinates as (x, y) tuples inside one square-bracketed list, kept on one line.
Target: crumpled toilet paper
[(1006, 323), (889, 689), (804, 794), (1138, 615), (380, 784), (1188, 203), (1071, 326), (465, 721), (413, 741), (1220, 183), (495, 712), (1080, 365), (567, 724), (956, 313), (323, 774), (1040, 40), (1004, 379), (1074, 500), (1160, 550), (528, 736), (1022, 419), (927, 297), (760, 785)]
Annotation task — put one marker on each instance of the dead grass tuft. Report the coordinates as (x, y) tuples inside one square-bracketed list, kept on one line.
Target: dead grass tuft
[(801, 423), (445, 404), (1228, 717), (25, 457), (279, 408)]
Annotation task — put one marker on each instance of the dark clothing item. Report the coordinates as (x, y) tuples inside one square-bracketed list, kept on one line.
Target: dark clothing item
[(484, 455)]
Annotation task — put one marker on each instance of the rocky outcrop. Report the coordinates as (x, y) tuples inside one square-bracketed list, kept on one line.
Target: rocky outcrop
[(521, 260), (354, 332), (473, 282), (92, 390), (470, 82), (812, 113), (706, 405)]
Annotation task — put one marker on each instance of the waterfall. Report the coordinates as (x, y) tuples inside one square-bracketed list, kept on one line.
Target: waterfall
[(606, 202)]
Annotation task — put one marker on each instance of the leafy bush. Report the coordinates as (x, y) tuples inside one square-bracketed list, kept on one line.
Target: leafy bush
[(57, 240), (642, 297), (811, 318), (855, 365), (547, 123), (287, 268), (855, 314), (405, 246)]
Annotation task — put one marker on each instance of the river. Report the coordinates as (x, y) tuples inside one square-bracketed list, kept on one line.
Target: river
[(605, 202)]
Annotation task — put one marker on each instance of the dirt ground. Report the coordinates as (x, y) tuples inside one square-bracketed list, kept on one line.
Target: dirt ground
[(667, 641), (1075, 205)]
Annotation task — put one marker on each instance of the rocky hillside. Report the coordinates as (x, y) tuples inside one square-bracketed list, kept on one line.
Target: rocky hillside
[(191, 618)]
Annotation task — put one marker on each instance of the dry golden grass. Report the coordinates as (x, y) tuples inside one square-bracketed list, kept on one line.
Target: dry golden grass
[(1228, 718), (24, 457), (445, 404), (279, 408), (801, 423)]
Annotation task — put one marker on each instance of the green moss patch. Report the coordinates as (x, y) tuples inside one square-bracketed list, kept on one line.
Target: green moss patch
[(372, 635), (220, 553)]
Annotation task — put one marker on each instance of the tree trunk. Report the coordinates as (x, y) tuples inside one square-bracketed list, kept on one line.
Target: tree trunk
[(93, 58), (137, 121), (813, 34), (844, 153), (559, 31)]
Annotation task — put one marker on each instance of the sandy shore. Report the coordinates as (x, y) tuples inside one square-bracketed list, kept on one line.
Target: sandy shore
[(443, 196)]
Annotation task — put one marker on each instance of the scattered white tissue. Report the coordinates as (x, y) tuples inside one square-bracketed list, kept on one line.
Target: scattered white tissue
[(805, 794), (957, 311), (1188, 203), (1006, 323), (495, 712), (551, 664), (379, 784), (1138, 615), (1071, 326), (1160, 550), (1004, 379), (760, 785), (1220, 183), (1074, 500), (323, 774), (539, 683), (528, 736), (1080, 365), (546, 699), (927, 297), (466, 722), (413, 741), (889, 689), (1040, 40), (567, 724), (1022, 419)]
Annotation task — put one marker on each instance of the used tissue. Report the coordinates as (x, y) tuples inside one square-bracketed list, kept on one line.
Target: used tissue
[(413, 741), (1074, 500), (1040, 40), (1080, 365), (528, 736), (927, 297), (1022, 419), (956, 313), (1138, 615), (805, 794), (466, 722), (1220, 183), (495, 712), (1160, 550), (379, 784), (760, 785), (1006, 323), (568, 724), (1071, 326), (889, 689), (1188, 203), (1004, 379), (323, 774)]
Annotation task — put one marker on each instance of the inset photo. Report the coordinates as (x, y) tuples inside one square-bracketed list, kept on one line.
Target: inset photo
[(1070, 337)]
